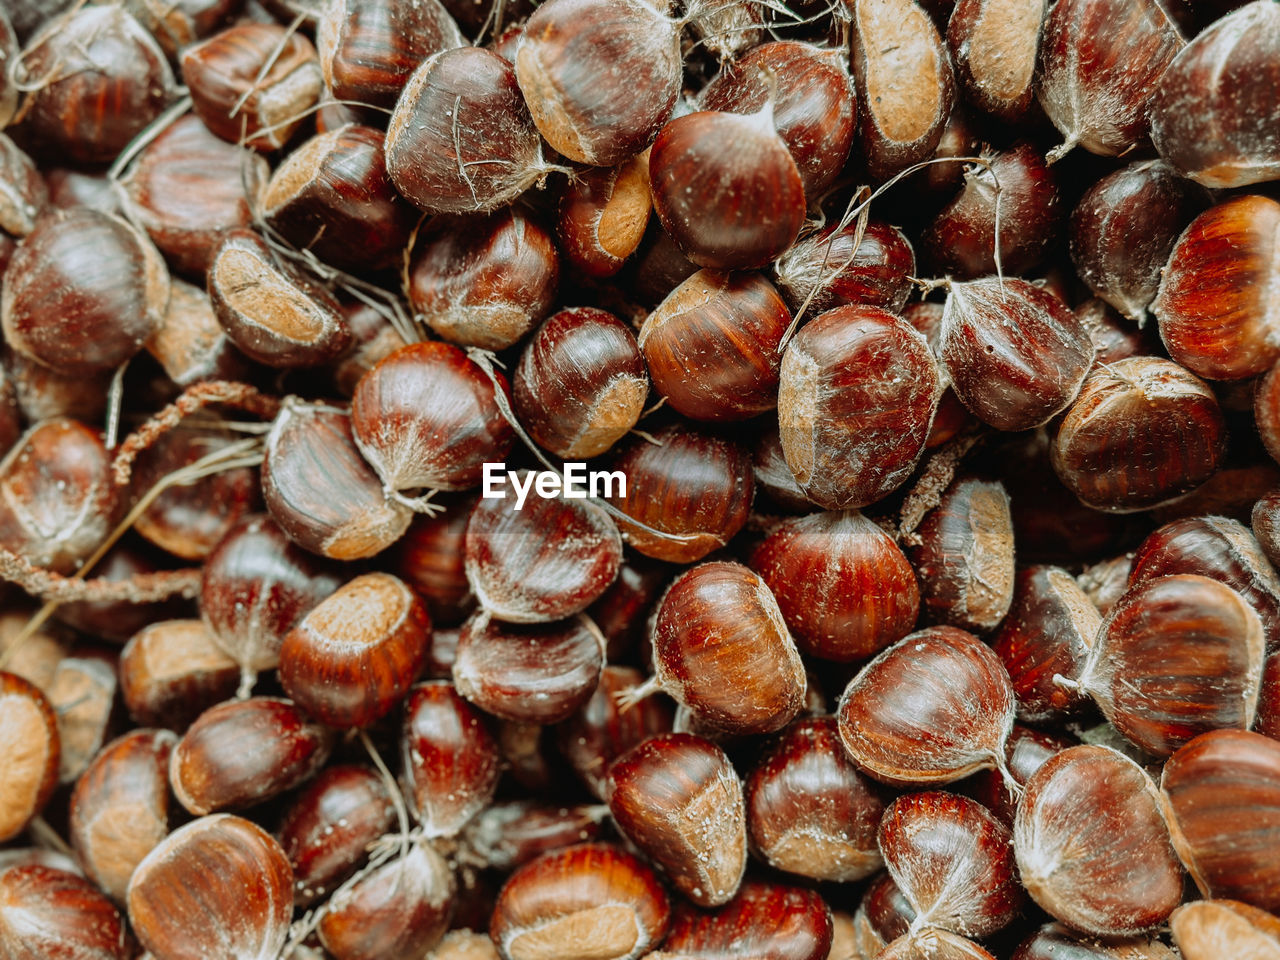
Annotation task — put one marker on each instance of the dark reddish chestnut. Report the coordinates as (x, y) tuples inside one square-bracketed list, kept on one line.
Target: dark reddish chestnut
[(509, 834), (621, 610), (904, 81), (326, 831), (1056, 941), (1092, 846), (1223, 789), (535, 673), (320, 490), (483, 281), (814, 108), (722, 649), (1025, 752), (1216, 317), (272, 312), (677, 797), (368, 48), (120, 808), (964, 730), (964, 557), (953, 861), (185, 892), (83, 292), (726, 189), (1207, 929), (883, 915), (688, 492), (1266, 411), (1100, 61), (429, 558), (1215, 110), (1265, 522), (461, 139), (46, 912), (581, 383), (450, 759), (1268, 722), (29, 729), (43, 393), (993, 45), (426, 416), (243, 752), (713, 346), (809, 811), (843, 585), (857, 391), (354, 655), (187, 187), (772, 474), (332, 196), (763, 920), (1017, 186), (178, 25), (1047, 633), (172, 671), (1114, 337), (96, 78), (1124, 228), (826, 269), (253, 83), (600, 76), (603, 216), (1178, 655), (23, 193), (1016, 354), (581, 903), (1142, 432), (542, 558)]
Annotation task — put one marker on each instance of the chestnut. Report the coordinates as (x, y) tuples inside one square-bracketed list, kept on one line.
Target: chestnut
[(47, 912), (1056, 941), (82, 695), (23, 193), (932, 943), (1205, 929), (29, 727), (993, 46), (429, 558), (603, 215), (826, 269), (510, 833), (171, 671), (763, 920), (353, 656)]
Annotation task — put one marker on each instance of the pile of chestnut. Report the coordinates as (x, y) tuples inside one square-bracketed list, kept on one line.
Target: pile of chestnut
[(921, 600)]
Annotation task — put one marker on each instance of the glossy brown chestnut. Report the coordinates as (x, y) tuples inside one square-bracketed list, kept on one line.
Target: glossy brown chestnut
[(588, 902), (82, 695), (601, 77), (722, 649), (191, 345), (242, 752), (368, 48), (544, 559), (184, 894), (97, 79), (603, 216), (904, 81), (1178, 655), (689, 492), (953, 861), (1223, 789), (1019, 187), (883, 915), (712, 346), (814, 108), (772, 474), (726, 188), (1055, 941), (272, 312), (1025, 752), (856, 395), (1265, 523), (581, 383), (43, 392), (426, 416), (177, 25), (332, 196), (461, 139), (171, 671), (1205, 929), (29, 731), (324, 495), (355, 654), (510, 833), (809, 811), (450, 759), (965, 556), (326, 831), (83, 292), (120, 808), (253, 83), (429, 558), (535, 673), (964, 730), (483, 281), (1016, 354), (993, 46), (23, 194), (1216, 109), (1216, 317), (1142, 432), (46, 912), (763, 920), (1100, 61), (826, 269), (845, 589), (1124, 228), (1092, 847), (1050, 627)]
